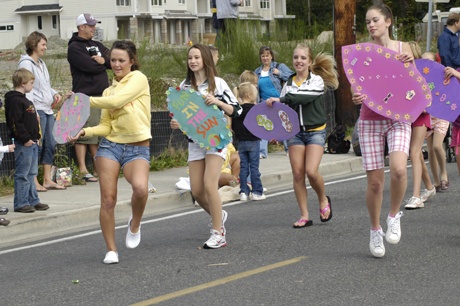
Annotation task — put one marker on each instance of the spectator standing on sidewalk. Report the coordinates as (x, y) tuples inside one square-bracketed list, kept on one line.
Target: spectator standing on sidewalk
[(448, 44), (5, 149), (304, 93), (271, 75), (89, 60), (44, 98), (22, 122), (373, 130), (227, 14), (125, 128), (205, 165)]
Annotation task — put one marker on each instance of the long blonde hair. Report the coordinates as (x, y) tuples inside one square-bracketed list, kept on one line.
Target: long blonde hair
[(323, 65), (416, 50), (245, 90)]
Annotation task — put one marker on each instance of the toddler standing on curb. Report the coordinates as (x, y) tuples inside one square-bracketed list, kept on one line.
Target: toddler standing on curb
[(248, 146)]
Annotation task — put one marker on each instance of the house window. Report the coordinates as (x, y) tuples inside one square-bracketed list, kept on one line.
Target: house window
[(264, 4), (123, 2), (247, 3), (157, 2), (9, 27), (54, 21), (39, 22), (181, 1)]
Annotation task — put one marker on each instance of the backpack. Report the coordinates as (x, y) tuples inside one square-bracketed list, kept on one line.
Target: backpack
[(336, 143)]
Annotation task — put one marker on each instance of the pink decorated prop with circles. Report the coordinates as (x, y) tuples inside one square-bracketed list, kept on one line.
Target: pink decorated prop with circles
[(278, 122), (71, 117), (393, 89), (445, 92)]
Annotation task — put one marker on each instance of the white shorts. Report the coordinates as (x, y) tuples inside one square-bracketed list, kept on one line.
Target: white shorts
[(197, 153)]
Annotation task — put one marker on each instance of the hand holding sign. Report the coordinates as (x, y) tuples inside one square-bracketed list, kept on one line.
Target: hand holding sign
[(392, 88), (278, 122), (204, 124), (71, 117)]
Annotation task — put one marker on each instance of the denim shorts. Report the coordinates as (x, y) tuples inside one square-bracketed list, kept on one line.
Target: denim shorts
[(122, 153), (308, 138)]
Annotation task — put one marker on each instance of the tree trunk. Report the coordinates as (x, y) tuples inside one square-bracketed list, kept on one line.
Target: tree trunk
[(344, 34)]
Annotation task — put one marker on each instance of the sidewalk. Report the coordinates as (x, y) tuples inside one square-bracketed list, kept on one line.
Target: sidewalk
[(78, 206)]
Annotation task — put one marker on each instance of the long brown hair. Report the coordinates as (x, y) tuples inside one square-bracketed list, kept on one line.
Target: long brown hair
[(323, 65), (385, 10), (209, 68), (130, 48)]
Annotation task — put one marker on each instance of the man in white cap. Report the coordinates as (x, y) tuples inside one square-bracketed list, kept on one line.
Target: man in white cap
[(89, 60)]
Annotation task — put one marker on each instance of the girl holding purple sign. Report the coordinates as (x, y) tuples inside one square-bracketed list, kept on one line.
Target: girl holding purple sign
[(205, 164), (420, 171), (373, 130), (304, 92)]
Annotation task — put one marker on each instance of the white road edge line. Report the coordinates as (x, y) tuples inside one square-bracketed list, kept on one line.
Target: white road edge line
[(54, 241)]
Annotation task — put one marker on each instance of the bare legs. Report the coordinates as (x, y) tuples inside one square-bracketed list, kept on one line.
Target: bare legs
[(80, 152), (398, 185), (204, 177), (437, 158), (136, 173), (418, 164), (306, 160)]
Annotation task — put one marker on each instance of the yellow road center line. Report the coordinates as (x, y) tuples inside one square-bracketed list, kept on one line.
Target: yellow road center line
[(218, 282)]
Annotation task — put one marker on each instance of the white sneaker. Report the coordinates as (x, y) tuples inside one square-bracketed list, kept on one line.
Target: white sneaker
[(393, 234), (243, 197), (224, 218), (111, 258), (258, 197), (217, 240), (132, 240), (414, 203), (376, 244), (427, 194)]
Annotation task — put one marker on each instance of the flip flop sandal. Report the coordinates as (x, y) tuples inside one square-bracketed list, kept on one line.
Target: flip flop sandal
[(444, 185), (305, 223), (3, 210), (56, 187), (90, 178), (325, 209), (4, 222)]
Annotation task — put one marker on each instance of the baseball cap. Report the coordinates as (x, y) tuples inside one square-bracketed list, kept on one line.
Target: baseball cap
[(86, 19)]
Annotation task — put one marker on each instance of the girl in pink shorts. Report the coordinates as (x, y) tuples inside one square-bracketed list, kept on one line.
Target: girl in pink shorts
[(373, 130), (419, 168)]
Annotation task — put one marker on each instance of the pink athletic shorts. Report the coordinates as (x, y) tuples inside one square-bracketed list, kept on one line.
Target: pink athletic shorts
[(439, 126), (423, 120), (455, 141), (372, 135)]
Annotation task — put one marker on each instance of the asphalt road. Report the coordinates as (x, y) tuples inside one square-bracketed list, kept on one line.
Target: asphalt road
[(266, 262)]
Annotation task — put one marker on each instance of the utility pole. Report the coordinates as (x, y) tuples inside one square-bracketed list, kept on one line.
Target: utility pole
[(344, 34)]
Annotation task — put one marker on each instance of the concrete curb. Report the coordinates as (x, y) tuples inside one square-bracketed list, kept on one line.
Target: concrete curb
[(53, 224)]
